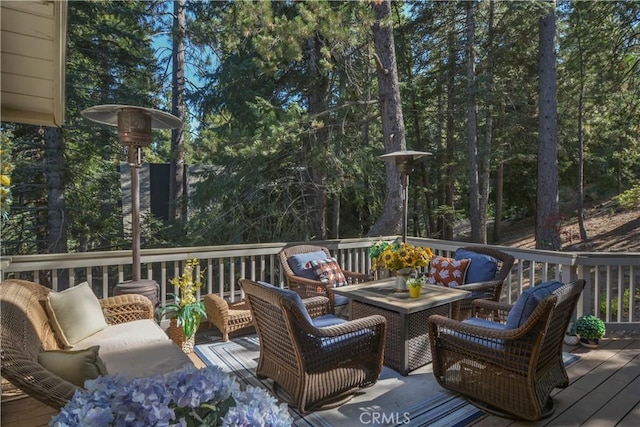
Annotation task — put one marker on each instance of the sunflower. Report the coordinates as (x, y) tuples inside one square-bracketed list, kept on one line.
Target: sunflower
[(399, 256)]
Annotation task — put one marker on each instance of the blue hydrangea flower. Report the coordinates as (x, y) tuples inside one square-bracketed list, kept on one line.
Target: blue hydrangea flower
[(179, 398)]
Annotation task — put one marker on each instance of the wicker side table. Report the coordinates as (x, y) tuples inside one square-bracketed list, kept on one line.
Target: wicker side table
[(226, 316), (407, 344)]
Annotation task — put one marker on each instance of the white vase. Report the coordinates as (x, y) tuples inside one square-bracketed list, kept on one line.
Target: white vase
[(401, 279)]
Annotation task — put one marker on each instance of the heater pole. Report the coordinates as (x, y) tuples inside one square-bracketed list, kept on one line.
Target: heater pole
[(134, 164)]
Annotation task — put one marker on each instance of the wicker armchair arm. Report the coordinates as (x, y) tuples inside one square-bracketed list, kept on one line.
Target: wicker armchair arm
[(126, 308), (313, 284), (35, 380), (513, 348), (317, 306), (353, 277), (374, 322), (442, 325), (491, 310), (481, 289), (216, 306), (464, 337)]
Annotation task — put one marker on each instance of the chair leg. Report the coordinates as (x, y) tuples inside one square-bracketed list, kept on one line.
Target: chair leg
[(225, 336)]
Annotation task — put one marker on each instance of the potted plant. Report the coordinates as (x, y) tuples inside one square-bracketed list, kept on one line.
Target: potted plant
[(590, 329), (415, 286), (186, 311)]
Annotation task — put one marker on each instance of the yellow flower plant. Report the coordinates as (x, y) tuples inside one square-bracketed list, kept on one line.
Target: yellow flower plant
[(404, 255), (186, 308)]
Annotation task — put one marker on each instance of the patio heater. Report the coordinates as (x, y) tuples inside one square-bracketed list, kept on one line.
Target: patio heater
[(404, 161), (134, 131)]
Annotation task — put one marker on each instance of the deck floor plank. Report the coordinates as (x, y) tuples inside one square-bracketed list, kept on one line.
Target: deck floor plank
[(622, 403), (632, 419), (593, 392), (605, 383)]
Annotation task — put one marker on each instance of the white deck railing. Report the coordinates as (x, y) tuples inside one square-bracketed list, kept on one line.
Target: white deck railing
[(612, 278)]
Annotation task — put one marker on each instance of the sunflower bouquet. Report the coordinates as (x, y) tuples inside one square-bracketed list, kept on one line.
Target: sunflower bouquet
[(404, 255)]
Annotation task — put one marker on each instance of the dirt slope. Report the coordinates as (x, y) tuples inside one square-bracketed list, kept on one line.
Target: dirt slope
[(607, 230)]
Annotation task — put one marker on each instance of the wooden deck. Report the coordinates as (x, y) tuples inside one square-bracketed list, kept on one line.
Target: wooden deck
[(604, 391)]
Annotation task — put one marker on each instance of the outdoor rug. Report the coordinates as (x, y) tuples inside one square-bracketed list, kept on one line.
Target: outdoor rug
[(395, 400)]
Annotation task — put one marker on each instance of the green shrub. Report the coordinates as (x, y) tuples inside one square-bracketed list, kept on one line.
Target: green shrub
[(590, 327), (630, 199), (626, 298)]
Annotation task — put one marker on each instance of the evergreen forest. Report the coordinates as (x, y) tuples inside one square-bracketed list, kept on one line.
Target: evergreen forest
[(283, 120)]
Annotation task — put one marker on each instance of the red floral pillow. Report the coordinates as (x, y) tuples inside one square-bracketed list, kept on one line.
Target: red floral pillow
[(328, 271), (448, 271)]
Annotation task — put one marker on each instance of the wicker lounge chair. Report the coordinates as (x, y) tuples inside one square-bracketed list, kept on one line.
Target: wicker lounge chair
[(316, 360), (490, 290), (509, 372), (26, 331), (307, 287), (227, 316)]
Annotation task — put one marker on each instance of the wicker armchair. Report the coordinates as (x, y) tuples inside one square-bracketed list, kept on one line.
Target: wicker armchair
[(25, 331), (316, 360), (506, 371), (227, 316), (490, 290), (307, 288)]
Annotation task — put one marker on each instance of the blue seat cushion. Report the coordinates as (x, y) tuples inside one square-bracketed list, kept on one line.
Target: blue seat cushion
[(483, 323), (527, 303), (291, 296), (352, 339), (301, 264), (482, 269), (327, 320)]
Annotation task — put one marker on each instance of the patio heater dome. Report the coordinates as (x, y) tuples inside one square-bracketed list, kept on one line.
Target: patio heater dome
[(134, 131)]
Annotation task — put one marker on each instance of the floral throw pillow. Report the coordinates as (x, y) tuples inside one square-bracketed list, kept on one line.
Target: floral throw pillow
[(448, 272), (328, 271)]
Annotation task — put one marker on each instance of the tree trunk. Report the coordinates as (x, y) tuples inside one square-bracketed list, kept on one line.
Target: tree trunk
[(485, 149), (318, 93), (472, 128), (56, 218), (177, 201), (449, 178), (54, 172), (547, 210), (580, 207), (390, 222), (497, 221)]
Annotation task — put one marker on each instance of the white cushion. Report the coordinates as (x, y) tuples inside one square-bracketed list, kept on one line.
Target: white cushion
[(143, 360), (125, 336), (75, 313)]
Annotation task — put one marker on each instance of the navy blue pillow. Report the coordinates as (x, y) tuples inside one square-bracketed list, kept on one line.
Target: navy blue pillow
[(290, 295), (482, 268), (527, 303), (301, 263)]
